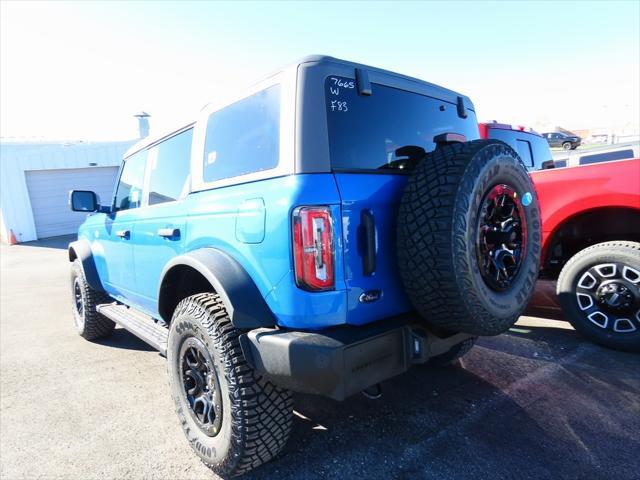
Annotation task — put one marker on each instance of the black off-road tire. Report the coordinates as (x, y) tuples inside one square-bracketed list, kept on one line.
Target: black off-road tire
[(89, 323), (622, 253), (567, 146), (256, 415), (437, 231), (456, 352)]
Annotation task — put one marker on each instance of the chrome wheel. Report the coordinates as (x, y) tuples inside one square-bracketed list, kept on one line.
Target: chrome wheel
[(608, 294)]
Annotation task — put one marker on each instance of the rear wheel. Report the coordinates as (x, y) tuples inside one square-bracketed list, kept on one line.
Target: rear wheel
[(599, 292), (469, 238), (84, 300), (234, 419)]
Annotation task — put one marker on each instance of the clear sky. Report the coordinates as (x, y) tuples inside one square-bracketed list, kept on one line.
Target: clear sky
[(79, 70)]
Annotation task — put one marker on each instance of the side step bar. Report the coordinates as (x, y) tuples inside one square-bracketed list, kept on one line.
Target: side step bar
[(141, 325)]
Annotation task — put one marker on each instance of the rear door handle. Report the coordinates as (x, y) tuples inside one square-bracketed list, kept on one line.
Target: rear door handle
[(169, 232), (123, 234)]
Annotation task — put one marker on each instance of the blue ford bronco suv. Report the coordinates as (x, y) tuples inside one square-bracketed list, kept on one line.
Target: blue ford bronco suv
[(320, 233)]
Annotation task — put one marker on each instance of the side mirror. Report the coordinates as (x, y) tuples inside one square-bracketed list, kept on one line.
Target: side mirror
[(83, 201)]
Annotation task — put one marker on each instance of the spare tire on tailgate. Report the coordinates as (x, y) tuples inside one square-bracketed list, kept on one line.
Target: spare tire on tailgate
[(468, 238)]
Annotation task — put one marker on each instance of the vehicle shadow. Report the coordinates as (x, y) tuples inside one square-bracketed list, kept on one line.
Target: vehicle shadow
[(62, 242), (547, 343), (123, 339), (560, 333), (544, 301), (430, 423), (443, 422)]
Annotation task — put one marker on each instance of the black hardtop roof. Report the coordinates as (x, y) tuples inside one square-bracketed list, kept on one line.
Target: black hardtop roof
[(321, 59), (308, 59)]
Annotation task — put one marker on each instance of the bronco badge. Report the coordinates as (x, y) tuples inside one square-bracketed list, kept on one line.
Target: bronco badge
[(370, 296)]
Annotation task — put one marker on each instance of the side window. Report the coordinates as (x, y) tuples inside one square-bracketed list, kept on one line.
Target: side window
[(169, 162), (129, 192), (243, 137), (541, 152), (606, 157), (524, 150)]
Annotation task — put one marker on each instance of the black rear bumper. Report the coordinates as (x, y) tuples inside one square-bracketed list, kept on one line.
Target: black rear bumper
[(342, 361)]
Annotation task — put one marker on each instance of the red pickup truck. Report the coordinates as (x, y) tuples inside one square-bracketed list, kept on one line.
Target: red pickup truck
[(591, 245)]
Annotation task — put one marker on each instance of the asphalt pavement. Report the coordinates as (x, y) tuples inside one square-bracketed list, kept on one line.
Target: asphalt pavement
[(538, 402)]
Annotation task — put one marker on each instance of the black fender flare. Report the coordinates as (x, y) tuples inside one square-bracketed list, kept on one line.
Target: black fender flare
[(81, 249), (244, 302)]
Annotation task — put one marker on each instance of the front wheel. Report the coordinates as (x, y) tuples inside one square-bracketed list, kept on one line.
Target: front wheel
[(599, 292), (234, 419), (84, 300), (566, 146)]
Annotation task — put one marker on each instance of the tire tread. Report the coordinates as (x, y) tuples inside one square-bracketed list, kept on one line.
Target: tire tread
[(599, 252), (432, 245), (261, 412), (96, 325)]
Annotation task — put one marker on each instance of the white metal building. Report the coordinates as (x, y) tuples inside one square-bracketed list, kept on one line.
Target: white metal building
[(35, 179)]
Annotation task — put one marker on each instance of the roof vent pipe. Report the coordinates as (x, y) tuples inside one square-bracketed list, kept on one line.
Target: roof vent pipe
[(143, 124)]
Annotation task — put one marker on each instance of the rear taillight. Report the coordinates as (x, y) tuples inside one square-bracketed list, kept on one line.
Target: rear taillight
[(313, 251)]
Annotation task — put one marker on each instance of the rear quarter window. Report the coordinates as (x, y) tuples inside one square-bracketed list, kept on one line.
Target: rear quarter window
[(243, 137), (541, 151), (606, 157), (560, 163), (366, 130), (533, 149), (524, 150)]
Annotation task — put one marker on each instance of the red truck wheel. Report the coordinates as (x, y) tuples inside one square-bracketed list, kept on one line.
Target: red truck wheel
[(599, 292)]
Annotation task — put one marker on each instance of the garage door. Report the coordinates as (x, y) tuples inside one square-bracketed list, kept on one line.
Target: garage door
[(49, 194)]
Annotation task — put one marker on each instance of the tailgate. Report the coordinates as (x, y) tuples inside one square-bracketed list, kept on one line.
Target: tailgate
[(371, 199), (375, 140)]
